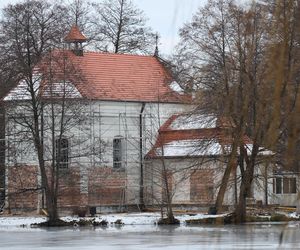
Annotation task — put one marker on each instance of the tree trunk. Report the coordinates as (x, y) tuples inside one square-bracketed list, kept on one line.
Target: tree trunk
[(266, 185), (51, 199), (222, 190), (51, 203), (120, 27), (170, 215), (240, 211), (2, 155)]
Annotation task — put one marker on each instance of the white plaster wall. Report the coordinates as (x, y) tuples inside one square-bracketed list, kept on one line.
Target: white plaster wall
[(91, 136), (285, 199), (258, 186), (122, 119), (182, 181), (181, 169)]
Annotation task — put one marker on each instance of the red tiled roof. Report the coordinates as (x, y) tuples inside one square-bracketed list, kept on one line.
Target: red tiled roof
[(75, 35), (121, 77), (112, 77), (220, 133)]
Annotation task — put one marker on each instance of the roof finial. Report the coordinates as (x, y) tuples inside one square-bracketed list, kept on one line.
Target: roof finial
[(156, 52)]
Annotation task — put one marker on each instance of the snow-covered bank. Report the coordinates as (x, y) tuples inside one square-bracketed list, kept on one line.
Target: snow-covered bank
[(123, 218), (126, 218)]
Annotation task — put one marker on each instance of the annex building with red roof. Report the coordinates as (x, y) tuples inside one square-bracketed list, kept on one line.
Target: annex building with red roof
[(194, 149)]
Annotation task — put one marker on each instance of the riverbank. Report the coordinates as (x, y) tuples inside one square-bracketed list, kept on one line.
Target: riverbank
[(112, 219), (149, 218)]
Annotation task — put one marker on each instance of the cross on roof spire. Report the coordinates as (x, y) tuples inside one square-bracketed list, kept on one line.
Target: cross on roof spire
[(156, 52)]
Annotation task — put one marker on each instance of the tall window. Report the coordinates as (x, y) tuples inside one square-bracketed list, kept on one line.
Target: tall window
[(118, 151), (62, 152), (285, 185)]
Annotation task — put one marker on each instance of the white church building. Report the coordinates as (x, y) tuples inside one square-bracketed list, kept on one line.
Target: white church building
[(116, 109)]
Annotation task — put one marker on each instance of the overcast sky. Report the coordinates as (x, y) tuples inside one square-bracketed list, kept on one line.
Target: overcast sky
[(167, 16), (164, 16)]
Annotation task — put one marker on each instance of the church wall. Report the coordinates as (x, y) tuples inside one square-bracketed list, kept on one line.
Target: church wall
[(90, 179)]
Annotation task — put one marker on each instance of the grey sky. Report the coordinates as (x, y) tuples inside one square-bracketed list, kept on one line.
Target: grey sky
[(164, 16), (167, 16)]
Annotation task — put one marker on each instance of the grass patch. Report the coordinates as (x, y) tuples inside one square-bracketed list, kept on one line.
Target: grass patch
[(227, 219), (167, 221), (279, 218), (253, 218), (73, 223)]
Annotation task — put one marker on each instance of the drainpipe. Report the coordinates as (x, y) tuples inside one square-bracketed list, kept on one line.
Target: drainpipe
[(142, 204)]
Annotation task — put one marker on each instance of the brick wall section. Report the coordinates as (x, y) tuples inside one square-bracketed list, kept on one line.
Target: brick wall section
[(21, 185), (170, 180), (69, 189), (106, 186), (202, 186)]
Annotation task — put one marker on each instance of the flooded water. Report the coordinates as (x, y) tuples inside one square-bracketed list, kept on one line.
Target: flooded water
[(254, 236)]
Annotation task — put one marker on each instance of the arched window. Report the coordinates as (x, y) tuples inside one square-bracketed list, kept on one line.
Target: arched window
[(62, 152), (118, 148)]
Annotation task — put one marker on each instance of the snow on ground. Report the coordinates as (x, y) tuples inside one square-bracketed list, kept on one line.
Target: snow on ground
[(19, 221), (126, 218), (293, 215)]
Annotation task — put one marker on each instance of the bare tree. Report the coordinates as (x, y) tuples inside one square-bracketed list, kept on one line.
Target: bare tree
[(227, 44), (31, 29), (206, 45), (121, 28), (83, 15)]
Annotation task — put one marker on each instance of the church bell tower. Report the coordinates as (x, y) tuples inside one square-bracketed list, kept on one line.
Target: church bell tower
[(74, 39)]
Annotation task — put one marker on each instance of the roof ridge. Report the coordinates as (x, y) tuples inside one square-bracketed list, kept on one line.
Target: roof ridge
[(116, 54)]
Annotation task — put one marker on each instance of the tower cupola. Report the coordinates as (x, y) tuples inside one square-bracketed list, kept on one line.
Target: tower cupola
[(74, 39)]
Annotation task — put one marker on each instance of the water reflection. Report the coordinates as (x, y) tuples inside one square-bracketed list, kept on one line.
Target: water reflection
[(252, 236)]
